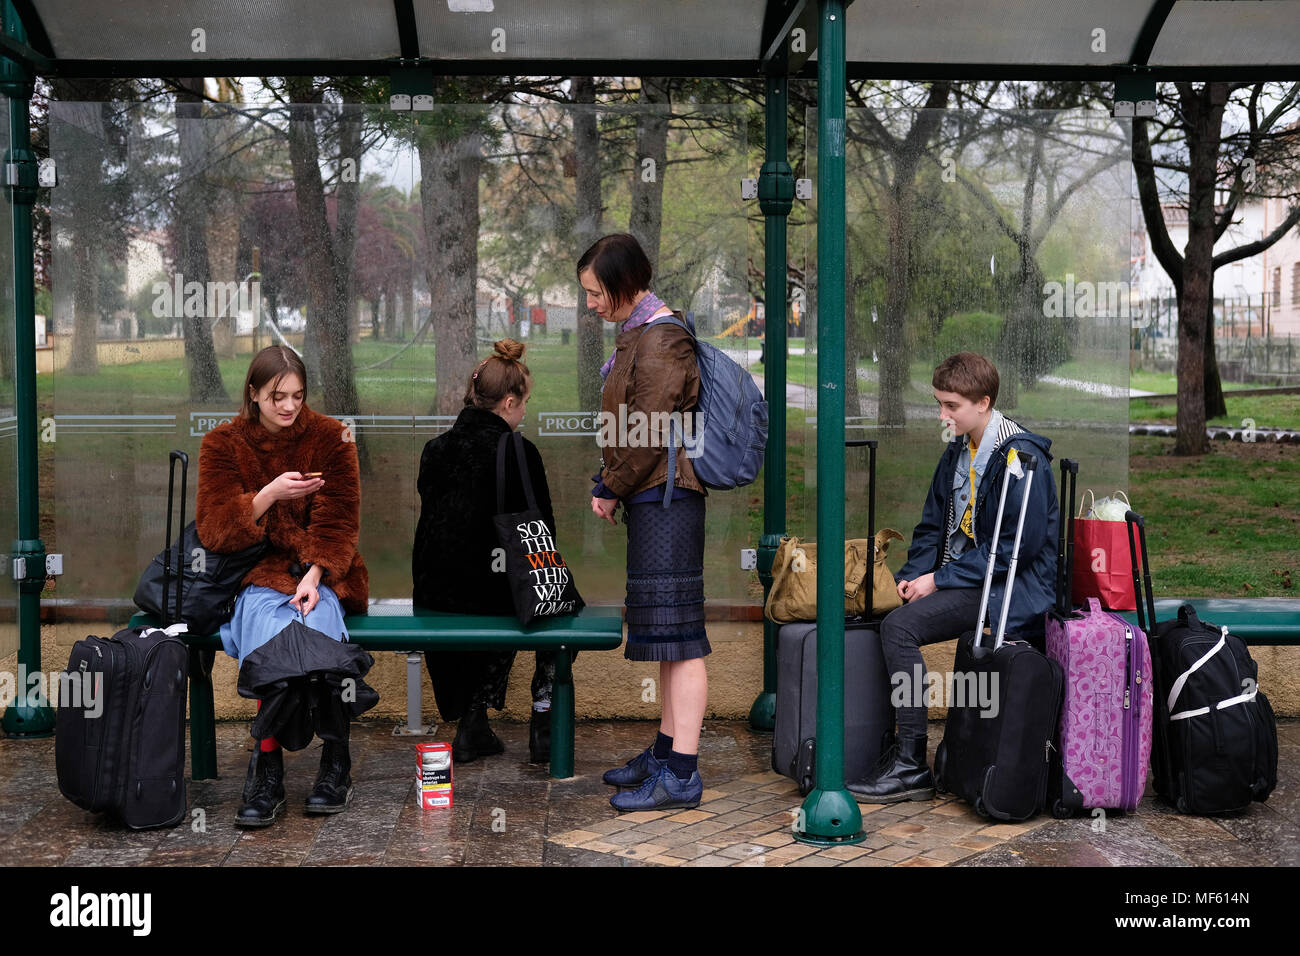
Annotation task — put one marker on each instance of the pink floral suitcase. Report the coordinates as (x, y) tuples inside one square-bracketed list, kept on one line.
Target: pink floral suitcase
[(1104, 745)]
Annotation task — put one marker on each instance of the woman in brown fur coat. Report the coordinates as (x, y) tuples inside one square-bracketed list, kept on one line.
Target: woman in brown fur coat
[(282, 472)]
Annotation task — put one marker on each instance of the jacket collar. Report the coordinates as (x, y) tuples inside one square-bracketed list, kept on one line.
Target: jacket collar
[(255, 432), (471, 417)]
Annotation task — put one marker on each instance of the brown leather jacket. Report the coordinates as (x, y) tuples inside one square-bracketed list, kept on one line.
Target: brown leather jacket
[(654, 371)]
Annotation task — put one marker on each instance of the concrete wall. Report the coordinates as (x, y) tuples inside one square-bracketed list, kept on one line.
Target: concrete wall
[(609, 686), (55, 356)]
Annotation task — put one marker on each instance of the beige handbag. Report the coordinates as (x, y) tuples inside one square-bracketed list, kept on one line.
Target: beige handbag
[(794, 579)]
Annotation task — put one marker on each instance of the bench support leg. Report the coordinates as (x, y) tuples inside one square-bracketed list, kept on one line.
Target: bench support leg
[(562, 716), (203, 725)]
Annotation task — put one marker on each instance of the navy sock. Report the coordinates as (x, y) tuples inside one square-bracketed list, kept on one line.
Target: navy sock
[(662, 747), (683, 765)]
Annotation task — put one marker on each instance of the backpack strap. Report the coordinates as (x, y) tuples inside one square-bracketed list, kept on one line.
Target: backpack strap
[(671, 319)]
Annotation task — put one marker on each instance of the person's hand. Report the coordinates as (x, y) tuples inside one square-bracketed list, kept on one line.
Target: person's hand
[(919, 588), (902, 590), (292, 484), (307, 596), (604, 508)]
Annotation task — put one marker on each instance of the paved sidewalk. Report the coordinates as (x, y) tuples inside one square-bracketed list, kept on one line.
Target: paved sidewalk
[(507, 812)]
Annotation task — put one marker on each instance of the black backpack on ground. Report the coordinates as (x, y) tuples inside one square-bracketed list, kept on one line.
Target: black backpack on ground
[(1215, 736), (120, 728)]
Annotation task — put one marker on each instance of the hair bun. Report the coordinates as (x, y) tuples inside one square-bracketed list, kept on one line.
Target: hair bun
[(509, 349)]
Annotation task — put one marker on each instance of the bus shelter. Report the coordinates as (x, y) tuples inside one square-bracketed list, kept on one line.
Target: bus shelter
[(875, 174)]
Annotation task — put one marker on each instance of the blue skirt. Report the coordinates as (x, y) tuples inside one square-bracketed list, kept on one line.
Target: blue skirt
[(665, 580), (261, 613)]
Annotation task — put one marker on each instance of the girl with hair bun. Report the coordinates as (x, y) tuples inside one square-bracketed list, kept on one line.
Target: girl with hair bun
[(453, 563)]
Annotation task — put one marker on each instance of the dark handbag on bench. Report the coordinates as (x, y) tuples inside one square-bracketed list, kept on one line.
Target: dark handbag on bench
[(209, 582), (540, 581)]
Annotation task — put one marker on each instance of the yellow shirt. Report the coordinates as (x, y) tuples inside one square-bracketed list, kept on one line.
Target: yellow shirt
[(967, 518)]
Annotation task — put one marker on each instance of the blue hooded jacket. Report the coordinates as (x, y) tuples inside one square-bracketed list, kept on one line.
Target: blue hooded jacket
[(1034, 590)]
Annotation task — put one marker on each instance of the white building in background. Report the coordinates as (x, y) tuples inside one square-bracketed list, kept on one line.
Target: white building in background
[(1267, 285)]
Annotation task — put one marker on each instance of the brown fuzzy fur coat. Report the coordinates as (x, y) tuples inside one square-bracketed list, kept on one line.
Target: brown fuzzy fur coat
[(239, 458)]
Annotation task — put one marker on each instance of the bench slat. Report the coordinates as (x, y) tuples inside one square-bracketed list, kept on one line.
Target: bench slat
[(1259, 621)]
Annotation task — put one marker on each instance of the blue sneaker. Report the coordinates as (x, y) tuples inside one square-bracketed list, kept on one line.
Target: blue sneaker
[(663, 791), (637, 770)]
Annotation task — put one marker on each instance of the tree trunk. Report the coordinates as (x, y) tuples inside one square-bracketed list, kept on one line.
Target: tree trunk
[(192, 258), (645, 221), (852, 348), (1204, 112), (84, 359), (586, 147), (894, 358), (449, 183), (1215, 406), (327, 275)]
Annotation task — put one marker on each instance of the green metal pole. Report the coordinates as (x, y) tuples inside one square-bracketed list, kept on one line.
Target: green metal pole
[(25, 717), (830, 814), (775, 197)]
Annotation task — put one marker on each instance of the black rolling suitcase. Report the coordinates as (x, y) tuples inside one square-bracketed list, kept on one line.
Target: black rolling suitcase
[(1214, 747), (868, 714), (121, 749), (1000, 761)]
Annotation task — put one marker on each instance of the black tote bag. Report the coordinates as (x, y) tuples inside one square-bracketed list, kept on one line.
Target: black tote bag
[(208, 591), (540, 581)]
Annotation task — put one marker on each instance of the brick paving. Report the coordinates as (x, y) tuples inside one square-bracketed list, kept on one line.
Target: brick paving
[(507, 812)]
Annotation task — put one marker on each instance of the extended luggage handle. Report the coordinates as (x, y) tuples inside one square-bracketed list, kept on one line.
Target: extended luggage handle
[(1145, 621), (1030, 466), (172, 459), (870, 583), (1065, 549)]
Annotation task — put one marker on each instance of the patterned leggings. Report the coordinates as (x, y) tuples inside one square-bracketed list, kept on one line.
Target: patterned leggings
[(492, 692)]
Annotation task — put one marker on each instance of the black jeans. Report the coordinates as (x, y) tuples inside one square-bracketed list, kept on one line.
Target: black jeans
[(941, 616)]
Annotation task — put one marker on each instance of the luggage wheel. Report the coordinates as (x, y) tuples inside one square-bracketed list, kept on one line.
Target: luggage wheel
[(980, 808), (1061, 811)]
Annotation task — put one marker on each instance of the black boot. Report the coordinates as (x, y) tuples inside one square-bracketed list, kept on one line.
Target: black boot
[(263, 790), (474, 738), (539, 737), (905, 777), (333, 788)]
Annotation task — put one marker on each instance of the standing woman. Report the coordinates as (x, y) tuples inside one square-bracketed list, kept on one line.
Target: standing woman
[(455, 562), (283, 473), (653, 370)]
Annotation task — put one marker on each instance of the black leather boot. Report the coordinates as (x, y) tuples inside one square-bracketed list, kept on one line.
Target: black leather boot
[(474, 738), (906, 777), (539, 737), (333, 788), (263, 790)]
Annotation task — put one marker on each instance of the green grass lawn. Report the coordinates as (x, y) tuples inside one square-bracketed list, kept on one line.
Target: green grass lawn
[(1268, 411), (1220, 524)]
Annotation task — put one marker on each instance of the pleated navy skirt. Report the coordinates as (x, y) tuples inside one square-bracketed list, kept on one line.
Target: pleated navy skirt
[(665, 581)]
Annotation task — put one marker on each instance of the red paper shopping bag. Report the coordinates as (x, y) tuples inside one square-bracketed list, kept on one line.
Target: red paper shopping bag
[(1103, 567)]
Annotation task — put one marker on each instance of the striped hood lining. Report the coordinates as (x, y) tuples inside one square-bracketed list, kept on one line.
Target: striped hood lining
[(1006, 431)]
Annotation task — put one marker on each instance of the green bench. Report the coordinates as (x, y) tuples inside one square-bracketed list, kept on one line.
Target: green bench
[(1264, 621), (402, 627)]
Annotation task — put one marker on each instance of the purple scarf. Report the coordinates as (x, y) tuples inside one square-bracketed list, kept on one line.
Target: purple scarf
[(641, 312)]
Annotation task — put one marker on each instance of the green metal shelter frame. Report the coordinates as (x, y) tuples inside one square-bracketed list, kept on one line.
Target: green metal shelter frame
[(1134, 44)]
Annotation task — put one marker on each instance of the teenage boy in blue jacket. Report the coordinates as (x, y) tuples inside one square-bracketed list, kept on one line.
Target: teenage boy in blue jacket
[(943, 578)]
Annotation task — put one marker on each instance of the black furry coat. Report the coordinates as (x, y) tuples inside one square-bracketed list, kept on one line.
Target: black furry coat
[(451, 563)]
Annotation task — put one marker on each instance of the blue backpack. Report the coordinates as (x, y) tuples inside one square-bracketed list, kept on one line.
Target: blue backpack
[(730, 435)]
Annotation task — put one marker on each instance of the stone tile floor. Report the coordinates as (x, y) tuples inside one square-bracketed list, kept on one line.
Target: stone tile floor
[(507, 812)]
